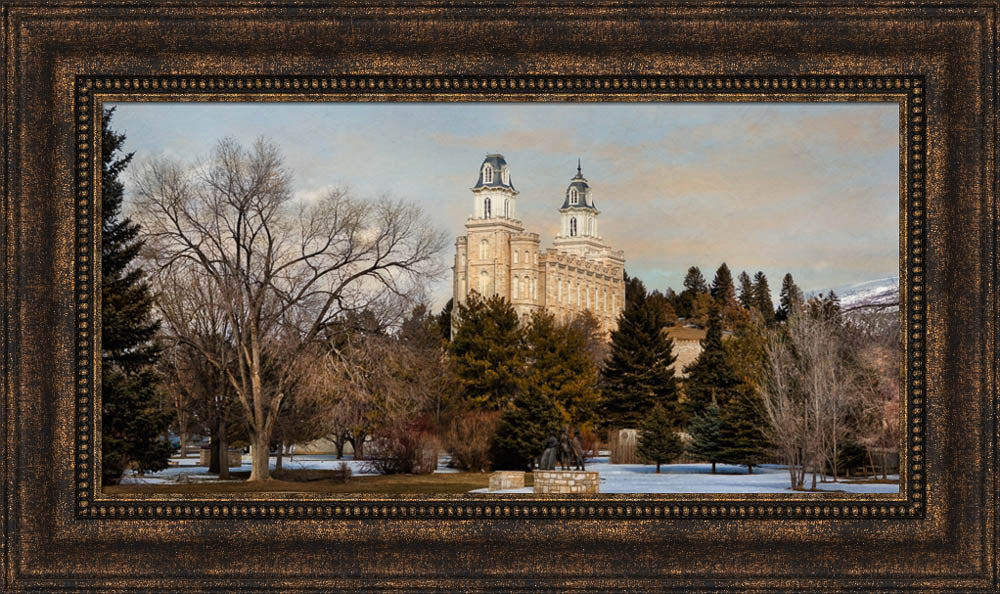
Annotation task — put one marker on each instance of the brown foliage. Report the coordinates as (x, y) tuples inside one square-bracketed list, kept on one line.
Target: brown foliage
[(469, 439)]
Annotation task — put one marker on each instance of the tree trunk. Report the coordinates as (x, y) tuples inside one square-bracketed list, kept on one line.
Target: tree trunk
[(260, 470), (277, 459), (657, 468), (340, 449), (213, 461), (184, 445), (749, 469), (223, 451), (713, 467), (359, 447)]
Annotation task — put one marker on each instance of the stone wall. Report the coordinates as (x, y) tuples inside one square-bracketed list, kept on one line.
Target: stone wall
[(565, 481), (506, 479)]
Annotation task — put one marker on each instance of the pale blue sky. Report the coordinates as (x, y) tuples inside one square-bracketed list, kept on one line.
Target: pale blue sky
[(806, 188)]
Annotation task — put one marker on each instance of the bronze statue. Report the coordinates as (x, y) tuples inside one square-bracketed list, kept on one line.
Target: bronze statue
[(547, 461), (570, 450)]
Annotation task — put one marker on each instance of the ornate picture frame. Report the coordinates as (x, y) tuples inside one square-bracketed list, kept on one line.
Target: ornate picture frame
[(62, 62)]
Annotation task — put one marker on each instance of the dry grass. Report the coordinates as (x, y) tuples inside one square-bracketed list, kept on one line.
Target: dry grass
[(292, 481)]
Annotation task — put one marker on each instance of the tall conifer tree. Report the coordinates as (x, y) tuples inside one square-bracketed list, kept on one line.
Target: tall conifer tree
[(639, 373), (710, 378), (488, 351), (741, 433), (762, 297), (560, 367), (133, 424), (790, 299), (444, 319), (525, 424), (747, 299), (658, 441), (694, 281), (723, 290), (706, 437)]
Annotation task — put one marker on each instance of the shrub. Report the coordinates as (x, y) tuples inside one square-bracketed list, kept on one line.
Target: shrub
[(589, 441), (403, 448), (469, 439), (343, 472)]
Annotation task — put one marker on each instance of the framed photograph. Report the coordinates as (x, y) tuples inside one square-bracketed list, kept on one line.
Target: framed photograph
[(585, 296)]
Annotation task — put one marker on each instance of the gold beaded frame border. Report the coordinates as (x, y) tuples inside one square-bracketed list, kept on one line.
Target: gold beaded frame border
[(91, 91)]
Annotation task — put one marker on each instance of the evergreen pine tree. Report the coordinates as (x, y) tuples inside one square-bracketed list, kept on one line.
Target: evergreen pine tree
[(525, 424), (741, 432), (710, 378), (723, 290), (658, 442), (133, 425), (762, 297), (488, 351), (791, 299), (560, 367), (444, 319), (694, 288), (694, 281), (747, 299), (706, 439), (639, 373)]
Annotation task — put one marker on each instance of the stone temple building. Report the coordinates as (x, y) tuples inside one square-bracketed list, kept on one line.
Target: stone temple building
[(497, 256)]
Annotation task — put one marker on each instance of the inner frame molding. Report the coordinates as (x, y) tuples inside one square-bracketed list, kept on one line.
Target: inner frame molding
[(908, 91)]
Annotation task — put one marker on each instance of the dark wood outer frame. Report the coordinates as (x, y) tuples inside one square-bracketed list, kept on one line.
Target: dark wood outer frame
[(50, 50)]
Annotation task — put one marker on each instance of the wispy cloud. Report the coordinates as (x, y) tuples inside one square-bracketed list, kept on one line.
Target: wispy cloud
[(810, 189)]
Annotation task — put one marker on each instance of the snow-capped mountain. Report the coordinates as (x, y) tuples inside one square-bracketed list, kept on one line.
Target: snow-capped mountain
[(873, 292)]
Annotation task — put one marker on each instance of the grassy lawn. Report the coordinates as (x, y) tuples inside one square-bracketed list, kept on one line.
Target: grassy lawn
[(313, 481)]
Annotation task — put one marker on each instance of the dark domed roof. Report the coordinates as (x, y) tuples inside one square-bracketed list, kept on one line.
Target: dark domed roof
[(498, 163), (579, 183)]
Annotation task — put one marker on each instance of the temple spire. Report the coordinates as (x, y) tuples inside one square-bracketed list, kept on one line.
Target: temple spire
[(578, 171)]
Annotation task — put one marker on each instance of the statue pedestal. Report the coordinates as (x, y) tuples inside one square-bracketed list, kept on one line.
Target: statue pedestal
[(506, 479), (565, 481)]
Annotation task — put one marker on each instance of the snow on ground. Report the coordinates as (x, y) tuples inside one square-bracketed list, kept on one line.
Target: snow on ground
[(186, 470), (698, 478), (614, 478)]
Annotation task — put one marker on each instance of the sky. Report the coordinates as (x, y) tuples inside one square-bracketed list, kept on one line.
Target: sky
[(806, 188)]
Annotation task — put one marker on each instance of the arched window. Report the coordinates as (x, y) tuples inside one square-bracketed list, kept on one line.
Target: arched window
[(536, 257), (579, 295), (589, 226), (514, 286), (515, 256), (484, 249), (484, 282), (506, 208), (534, 289), (505, 176), (486, 208), (527, 256), (487, 175), (574, 196), (572, 227)]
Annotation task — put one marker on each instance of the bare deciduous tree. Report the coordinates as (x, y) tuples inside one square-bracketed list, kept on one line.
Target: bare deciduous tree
[(278, 268), (811, 385)]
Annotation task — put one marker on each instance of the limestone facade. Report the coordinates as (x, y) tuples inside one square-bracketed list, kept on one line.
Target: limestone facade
[(497, 256)]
